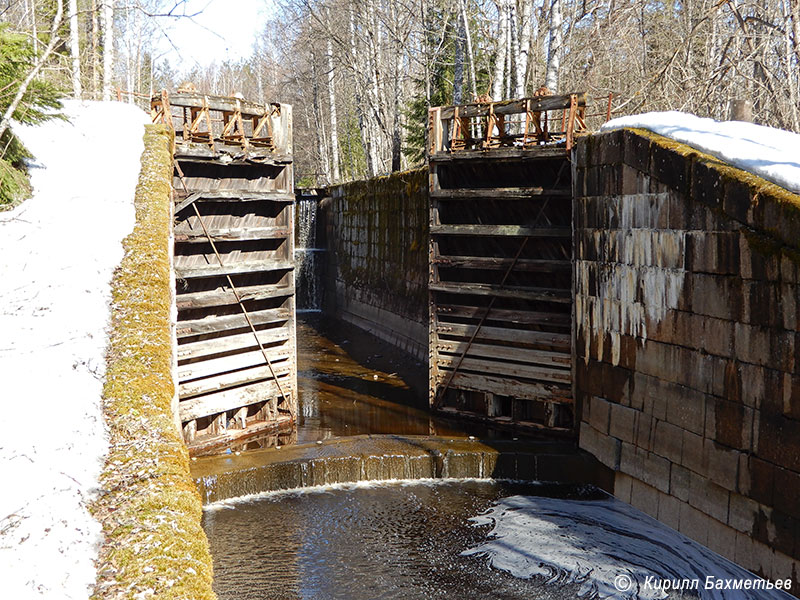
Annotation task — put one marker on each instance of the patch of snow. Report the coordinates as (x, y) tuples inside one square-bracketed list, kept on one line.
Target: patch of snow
[(607, 546), (58, 251), (773, 154)]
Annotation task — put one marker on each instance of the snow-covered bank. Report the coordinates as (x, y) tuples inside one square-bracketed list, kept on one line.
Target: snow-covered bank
[(612, 549), (58, 251), (773, 154)]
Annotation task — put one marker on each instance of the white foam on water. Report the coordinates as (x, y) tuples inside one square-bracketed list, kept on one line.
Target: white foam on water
[(600, 543), (347, 486)]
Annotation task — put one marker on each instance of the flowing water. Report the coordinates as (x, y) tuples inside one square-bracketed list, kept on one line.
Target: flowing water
[(309, 258), (393, 540)]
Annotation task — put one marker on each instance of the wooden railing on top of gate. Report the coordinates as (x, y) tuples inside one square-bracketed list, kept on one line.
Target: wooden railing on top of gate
[(223, 123), (523, 123)]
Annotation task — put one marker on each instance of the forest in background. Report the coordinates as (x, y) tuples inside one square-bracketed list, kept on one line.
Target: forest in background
[(361, 74)]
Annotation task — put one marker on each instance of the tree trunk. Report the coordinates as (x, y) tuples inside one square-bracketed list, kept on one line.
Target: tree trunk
[(509, 47), (554, 47), (524, 48), (362, 113), (75, 48), (792, 42), (139, 28), (500, 59), (126, 41), (334, 125), (35, 32), (319, 132), (470, 56), (458, 67), (108, 48), (95, 52), (794, 6), (397, 133), (374, 92)]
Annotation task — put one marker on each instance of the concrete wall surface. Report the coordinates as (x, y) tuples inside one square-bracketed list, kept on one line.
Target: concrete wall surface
[(687, 347), (377, 274)]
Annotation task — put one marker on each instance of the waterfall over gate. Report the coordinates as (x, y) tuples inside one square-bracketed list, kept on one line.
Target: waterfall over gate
[(309, 257)]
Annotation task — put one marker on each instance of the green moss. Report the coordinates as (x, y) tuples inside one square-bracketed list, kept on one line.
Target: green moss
[(390, 214), (150, 509)]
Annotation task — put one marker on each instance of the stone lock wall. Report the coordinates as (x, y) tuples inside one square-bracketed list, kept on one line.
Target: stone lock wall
[(687, 347), (377, 233)]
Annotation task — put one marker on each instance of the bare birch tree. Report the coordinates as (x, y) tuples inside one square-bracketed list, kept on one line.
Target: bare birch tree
[(108, 48), (554, 46), (525, 31), (75, 48), (334, 126), (502, 46)]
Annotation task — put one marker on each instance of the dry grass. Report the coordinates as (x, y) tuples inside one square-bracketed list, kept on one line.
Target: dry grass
[(149, 508)]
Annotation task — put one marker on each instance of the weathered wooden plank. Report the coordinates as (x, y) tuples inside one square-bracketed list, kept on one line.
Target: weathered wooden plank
[(242, 195), (224, 381), (485, 289), (499, 193), (510, 107), (225, 400), (226, 297), (232, 437), (231, 234), (493, 262), (520, 355), (183, 203), (225, 364), (502, 230), (229, 343), (220, 103), (237, 268), (510, 316), (232, 196), (558, 341), (199, 152), (493, 367), (507, 422), (214, 323), (524, 390), (501, 154)]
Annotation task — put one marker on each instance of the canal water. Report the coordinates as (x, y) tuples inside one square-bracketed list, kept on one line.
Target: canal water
[(351, 383), (465, 539), (394, 540)]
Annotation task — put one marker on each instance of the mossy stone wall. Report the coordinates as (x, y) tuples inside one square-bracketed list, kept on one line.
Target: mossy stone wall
[(377, 275), (149, 507)]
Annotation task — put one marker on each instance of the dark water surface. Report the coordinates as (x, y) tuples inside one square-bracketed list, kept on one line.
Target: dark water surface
[(351, 383), (387, 540), (368, 541)]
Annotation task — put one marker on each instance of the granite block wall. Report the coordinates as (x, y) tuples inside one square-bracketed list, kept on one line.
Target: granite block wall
[(687, 347), (377, 272)]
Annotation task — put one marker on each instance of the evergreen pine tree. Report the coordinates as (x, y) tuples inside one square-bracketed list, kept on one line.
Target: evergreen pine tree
[(39, 103)]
